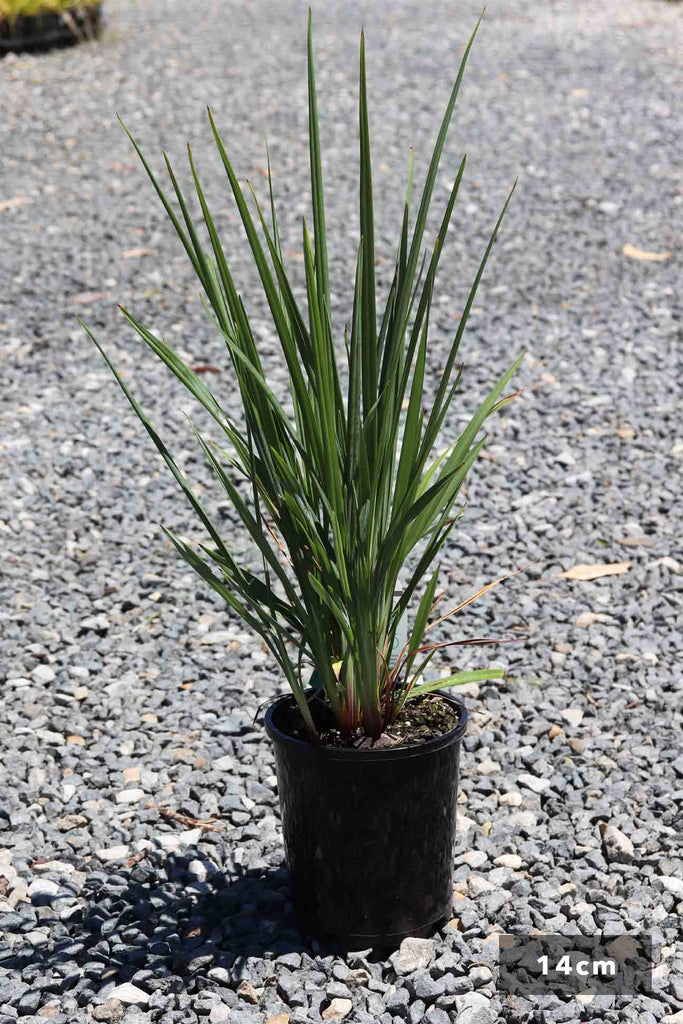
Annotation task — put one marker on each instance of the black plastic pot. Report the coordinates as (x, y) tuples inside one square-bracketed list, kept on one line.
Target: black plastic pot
[(368, 834), (51, 28)]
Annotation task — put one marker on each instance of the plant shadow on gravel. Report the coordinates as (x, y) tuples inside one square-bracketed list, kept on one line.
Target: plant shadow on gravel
[(140, 919)]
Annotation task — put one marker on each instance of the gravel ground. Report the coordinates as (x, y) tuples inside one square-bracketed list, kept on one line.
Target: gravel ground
[(129, 694)]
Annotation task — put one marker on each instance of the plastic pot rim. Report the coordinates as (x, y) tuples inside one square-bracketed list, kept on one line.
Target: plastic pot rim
[(379, 755)]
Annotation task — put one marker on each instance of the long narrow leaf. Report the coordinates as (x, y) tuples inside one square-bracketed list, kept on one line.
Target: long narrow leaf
[(458, 679)]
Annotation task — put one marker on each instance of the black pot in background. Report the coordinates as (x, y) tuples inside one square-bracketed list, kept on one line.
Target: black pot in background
[(369, 834), (51, 28)]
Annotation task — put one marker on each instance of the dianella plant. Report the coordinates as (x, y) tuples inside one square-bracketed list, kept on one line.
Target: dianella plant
[(347, 490)]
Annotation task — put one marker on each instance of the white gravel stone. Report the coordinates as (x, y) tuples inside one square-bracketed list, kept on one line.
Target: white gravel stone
[(488, 767), (130, 796), (671, 884), (130, 995), (337, 1010), (533, 782), (224, 764), (511, 799), (198, 870), (43, 674), (168, 841), (565, 458), (509, 860), (618, 847), (219, 1014), (55, 739), (42, 887), (19, 893), (574, 716), (480, 974), (463, 824), (524, 819), (413, 955), (114, 853), (190, 837), (219, 636), (587, 619), (474, 858), (60, 866), (477, 884)]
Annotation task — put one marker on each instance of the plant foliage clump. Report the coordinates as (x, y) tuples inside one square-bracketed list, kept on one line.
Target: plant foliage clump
[(12, 9), (346, 488)]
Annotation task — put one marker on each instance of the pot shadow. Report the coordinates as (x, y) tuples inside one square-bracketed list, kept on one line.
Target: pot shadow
[(165, 923)]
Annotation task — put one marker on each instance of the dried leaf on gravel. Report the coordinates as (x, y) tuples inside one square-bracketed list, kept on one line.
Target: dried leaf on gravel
[(134, 254), (184, 819), (634, 253), (10, 204), (595, 572), (136, 858)]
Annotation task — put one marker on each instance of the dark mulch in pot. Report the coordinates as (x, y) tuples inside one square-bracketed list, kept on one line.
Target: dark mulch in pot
[(423, 718)]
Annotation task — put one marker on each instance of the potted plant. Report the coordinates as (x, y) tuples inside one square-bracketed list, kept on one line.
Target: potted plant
[(339, 499), (40, 24)]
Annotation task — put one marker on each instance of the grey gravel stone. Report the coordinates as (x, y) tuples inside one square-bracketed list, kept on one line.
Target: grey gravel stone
[(111, 1010), (397, 1002), (618, 846), (436, 1016), (424, 987), (475, 1008), (219, 1014)]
